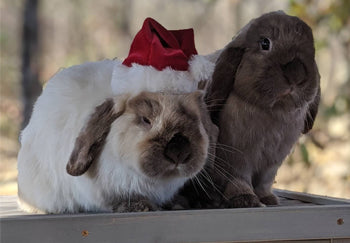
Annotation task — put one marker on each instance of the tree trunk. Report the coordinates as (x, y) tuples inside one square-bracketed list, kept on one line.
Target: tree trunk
[(31, 87)]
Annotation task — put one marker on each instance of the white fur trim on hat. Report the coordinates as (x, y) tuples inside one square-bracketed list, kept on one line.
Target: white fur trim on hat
[(201, 67), (139, 78)]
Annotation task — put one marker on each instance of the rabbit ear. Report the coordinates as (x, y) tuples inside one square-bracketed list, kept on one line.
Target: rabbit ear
[(313, 107), (312, 112), (223, 79), (89, 143)]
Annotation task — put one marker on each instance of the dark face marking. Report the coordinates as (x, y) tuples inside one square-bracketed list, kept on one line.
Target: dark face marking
[(146, 109), (174, 146)]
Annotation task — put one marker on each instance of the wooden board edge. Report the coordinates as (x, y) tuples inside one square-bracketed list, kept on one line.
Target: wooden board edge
[(226, 225), (311, 198)]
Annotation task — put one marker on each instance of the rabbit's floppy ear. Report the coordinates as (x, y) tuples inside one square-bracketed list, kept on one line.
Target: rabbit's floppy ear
[(313, 106), (91, 139), (312, 112), (223, 78)]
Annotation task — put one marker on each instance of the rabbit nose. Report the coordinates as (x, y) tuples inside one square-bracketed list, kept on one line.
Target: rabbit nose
[(178, 149), (294, 71)]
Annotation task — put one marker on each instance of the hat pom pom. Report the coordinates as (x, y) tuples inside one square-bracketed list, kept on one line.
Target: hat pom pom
[(201, 68)]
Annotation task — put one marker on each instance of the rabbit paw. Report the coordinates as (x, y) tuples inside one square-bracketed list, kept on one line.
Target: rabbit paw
[(244, 201), (179, 202), (269, 200), (142, 205)]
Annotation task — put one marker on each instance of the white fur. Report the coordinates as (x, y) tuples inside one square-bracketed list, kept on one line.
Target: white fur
[(201, 67), (48, 140), (146, 78)]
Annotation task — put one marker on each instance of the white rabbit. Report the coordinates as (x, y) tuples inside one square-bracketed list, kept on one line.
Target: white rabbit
[(86, 149)]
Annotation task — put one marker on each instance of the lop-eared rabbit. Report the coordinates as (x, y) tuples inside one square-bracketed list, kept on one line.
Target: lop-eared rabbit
[(87, 150), (264, 94)]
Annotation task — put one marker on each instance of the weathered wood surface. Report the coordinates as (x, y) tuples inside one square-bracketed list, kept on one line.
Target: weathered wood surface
[(315, 219)]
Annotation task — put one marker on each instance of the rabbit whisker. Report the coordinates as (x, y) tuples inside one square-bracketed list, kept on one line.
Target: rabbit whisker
[(220, 160), (200, 184), (228, 148), (222, 172), (213, 105), (194, 185), (208, 100), (209, 179)]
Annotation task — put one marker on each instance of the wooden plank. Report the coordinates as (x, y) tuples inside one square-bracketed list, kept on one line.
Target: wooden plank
[(8, 204), (219, 225), (311, 198), (292, 202), (341, 241), (298, 241), (9, 207)]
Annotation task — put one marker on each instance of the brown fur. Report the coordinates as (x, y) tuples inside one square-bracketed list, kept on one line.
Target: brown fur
[(262, 101), (135, 203), (179, 114)]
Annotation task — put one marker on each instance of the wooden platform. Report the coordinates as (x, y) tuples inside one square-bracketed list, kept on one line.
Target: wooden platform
[(301, 217)]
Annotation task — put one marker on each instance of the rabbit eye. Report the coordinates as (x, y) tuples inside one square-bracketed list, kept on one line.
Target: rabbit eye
[(145, 120), (265, 44)]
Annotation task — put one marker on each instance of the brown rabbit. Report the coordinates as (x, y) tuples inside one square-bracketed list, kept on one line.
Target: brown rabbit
[(264, 94)]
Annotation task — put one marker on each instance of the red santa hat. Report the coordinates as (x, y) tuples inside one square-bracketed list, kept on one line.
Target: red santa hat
[(161, 60)]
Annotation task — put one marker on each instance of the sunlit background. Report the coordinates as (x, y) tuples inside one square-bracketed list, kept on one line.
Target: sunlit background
[(73, 32)]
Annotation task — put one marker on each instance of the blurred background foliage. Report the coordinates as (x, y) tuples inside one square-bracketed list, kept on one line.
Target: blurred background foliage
[(73, 32)]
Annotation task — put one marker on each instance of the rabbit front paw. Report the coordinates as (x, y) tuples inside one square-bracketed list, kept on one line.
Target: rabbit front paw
[(136, 205), (244, 201), (270, 200)]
